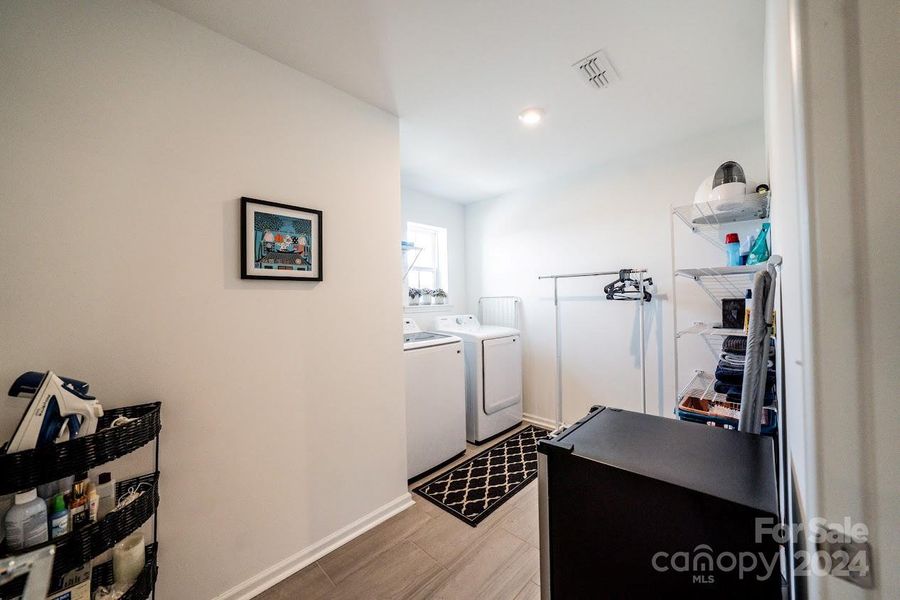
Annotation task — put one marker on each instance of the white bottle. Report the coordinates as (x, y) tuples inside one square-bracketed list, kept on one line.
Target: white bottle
[(26, 521), (106, 489)]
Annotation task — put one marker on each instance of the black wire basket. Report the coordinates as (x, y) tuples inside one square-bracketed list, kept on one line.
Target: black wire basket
[(79, 547), (102, 574), (30, 468)]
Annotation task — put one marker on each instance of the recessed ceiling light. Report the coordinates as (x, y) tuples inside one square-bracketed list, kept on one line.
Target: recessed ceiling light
[(531, 116)]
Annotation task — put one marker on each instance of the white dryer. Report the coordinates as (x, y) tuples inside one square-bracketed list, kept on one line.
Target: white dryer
[(435, 399), (493, 375)]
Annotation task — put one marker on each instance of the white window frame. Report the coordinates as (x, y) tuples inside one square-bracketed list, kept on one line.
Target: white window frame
[(440, 270)]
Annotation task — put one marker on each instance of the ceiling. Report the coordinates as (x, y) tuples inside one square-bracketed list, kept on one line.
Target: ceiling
[(457, 73)]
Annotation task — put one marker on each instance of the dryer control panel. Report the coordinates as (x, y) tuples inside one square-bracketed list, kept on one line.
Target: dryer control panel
[(458, 323)]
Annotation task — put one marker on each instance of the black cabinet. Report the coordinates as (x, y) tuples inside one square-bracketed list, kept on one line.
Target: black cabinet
[(639, 506)]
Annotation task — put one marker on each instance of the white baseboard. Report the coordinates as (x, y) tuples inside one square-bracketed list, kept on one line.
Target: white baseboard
[(539, 421), (290, 565)]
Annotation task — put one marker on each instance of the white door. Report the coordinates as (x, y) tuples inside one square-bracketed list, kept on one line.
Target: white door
[(502, 373), (435, 406)]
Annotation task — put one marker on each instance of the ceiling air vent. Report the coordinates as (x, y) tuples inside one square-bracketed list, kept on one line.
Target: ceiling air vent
[(596, 70)]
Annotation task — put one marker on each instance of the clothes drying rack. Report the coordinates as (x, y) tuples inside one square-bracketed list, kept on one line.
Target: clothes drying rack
[(640, 275)]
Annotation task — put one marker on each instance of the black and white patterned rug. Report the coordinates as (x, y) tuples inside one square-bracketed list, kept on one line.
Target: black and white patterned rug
[(474, 489)]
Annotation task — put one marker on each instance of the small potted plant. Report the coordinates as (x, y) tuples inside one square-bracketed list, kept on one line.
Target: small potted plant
[(426, 296), (440, 296), (414, 296)]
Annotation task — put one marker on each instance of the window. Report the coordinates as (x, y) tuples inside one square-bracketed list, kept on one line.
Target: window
[(430, 269)]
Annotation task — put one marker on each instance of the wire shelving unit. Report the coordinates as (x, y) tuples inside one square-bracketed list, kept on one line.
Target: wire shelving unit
[(706, 220)]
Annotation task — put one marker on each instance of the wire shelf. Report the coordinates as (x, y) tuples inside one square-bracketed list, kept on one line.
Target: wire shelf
[(700, 403), (726, 282), (80, 546), (406, 247), (30, 468), (143, 586), (711, 330), (750, 207)]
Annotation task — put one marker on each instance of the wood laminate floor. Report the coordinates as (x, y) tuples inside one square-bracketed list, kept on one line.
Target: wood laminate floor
[(424, 552)]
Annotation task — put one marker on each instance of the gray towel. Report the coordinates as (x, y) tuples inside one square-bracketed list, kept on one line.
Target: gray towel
[(755, 365)]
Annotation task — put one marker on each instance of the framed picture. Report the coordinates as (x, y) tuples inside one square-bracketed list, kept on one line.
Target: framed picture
[(280, 241)]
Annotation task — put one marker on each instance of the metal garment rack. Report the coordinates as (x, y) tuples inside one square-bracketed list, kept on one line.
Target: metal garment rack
[(640, 273)]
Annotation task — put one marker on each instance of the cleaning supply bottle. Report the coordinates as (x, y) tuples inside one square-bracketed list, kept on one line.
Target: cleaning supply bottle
[(26, 521), (106, 489), (748, 308), (93, 502), (759, 253), (59, 517), (733, 249)]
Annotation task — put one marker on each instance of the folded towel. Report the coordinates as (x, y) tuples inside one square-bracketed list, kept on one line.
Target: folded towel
[(737, 344), (737, 360), (733, 392), (732, 360), (735, 375)]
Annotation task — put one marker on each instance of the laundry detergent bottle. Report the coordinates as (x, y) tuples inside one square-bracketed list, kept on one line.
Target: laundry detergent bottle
[(733, 249), (759, 253)]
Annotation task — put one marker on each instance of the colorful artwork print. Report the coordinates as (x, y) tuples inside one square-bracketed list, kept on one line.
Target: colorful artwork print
[(282, 242)]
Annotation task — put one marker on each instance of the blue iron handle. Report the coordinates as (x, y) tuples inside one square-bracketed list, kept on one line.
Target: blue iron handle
[(28, 384)]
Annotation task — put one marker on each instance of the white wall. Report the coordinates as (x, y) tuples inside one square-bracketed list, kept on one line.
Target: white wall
[(128, 134), (614, 217), (846, 82), (879, 120), (420, 207)]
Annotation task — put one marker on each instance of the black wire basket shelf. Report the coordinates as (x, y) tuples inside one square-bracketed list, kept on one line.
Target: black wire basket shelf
[(102, 574), (30, 468), (79, 547)]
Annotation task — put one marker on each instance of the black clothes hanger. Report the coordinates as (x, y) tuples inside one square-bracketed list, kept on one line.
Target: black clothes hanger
[(627, 288)]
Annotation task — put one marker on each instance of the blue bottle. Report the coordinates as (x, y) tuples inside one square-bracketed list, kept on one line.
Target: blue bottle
[(733, 248)]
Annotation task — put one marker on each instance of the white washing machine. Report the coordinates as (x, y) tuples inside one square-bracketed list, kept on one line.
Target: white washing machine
[(435, 399), (493, 375)]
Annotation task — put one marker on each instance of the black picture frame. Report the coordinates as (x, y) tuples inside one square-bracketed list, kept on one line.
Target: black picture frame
[(279, 270)]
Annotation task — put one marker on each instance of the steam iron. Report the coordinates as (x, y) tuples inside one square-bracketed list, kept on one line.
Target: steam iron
[(60, 410)]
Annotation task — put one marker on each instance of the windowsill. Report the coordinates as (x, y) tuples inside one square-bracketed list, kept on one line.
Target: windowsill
[(427, 308)]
